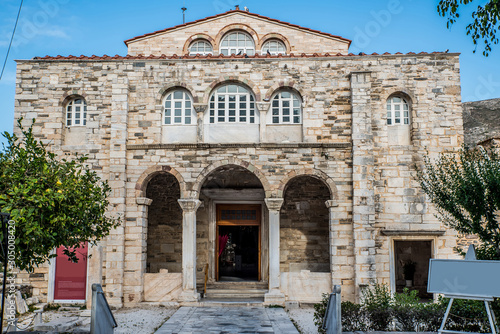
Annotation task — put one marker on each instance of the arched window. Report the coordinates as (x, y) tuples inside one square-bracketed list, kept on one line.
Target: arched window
[(76, 112), (398, 111), (232, 104), (201, 47), (286, 108), (274, 47), (237, 43), (178, 108)]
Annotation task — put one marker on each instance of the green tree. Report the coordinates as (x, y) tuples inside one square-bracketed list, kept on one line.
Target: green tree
[(54, 202), (465, 189), (485, 20)]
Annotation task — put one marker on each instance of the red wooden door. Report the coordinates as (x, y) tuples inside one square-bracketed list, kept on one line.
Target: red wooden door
[(71, 278)]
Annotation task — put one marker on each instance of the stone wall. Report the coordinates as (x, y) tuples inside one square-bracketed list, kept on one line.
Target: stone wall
[(304, 226), (375, 199)]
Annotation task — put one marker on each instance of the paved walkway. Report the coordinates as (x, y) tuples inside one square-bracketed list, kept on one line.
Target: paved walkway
[(228, 320)]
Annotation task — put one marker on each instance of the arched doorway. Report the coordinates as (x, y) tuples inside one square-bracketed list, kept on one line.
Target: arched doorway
[(231, 230), (304, 226), (164, 239)]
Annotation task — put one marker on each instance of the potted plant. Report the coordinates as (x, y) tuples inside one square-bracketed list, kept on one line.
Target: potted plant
[(409, 272)]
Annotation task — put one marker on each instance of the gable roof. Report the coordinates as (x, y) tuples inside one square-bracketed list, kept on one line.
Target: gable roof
[(234, 11)]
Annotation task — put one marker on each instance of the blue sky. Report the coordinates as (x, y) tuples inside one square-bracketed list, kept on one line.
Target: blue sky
[(53, 27)]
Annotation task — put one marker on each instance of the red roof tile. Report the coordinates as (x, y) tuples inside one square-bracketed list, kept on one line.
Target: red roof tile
[(220, 56), (241, 12)]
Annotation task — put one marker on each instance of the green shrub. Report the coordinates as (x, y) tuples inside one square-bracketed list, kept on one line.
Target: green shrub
[(377, 301), (379, 310), (354, 317)]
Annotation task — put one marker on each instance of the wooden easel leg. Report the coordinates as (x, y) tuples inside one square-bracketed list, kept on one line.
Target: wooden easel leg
[(446, 316), (491, 316)]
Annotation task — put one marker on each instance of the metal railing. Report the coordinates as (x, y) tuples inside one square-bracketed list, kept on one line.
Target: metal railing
[(102, 320)]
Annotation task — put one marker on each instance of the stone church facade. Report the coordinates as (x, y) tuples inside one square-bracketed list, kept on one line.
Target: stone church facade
[(247, 150)]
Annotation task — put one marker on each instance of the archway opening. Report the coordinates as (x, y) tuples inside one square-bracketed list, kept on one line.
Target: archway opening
[(304, 226), (164, 239), (230, 228)]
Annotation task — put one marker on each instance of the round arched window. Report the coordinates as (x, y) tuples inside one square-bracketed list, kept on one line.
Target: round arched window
[(274, 47), (232, 104), (398, 111), (201, 47), (286, 108), (76, 112), (237, 43), (178, 108)]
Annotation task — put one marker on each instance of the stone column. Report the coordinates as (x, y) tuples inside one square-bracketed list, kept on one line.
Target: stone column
[(263, 108), (136, 236), (189, 207), (115, 242), (341, 249), (200, 113), (363, 178), (274, 295)]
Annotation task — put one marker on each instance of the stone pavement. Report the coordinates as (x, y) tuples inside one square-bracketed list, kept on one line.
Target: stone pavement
[(228, 320)]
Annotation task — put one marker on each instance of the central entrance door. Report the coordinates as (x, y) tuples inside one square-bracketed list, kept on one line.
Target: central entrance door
[(238, 242)]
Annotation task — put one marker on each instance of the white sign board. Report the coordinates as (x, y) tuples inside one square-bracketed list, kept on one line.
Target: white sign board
[(463, 278)]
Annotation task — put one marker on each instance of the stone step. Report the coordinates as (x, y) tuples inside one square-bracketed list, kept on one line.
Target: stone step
[(237, 285)]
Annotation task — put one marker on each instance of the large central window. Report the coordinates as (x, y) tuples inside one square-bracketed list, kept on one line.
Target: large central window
[(232, 104), (237, 43)]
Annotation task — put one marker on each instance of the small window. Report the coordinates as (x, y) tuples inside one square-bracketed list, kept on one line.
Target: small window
[(398, 111), (286, 108), (274, 47), (232, 104), (178, 109), (237, 43), (201, 47), (76, 112)]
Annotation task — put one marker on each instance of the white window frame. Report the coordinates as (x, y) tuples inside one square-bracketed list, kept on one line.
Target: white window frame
[(222, 110), (241, 44), (172, 103), (398, 111), (76, 112), (282, 101), (207, 48), (267, 46)]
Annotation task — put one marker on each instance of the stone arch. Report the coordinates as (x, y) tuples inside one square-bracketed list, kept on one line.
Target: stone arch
[(178, 84), (230, 161), (313, 172), (71, 94), (400, 92), (227, 80), (274, 35), (235, 26), (142, 183), (287, 84), (191, 39)]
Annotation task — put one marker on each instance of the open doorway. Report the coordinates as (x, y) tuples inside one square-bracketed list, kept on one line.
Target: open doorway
[(412, 265), (238, 245)]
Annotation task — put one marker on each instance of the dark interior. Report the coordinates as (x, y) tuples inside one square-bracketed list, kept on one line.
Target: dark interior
[(239, 258)]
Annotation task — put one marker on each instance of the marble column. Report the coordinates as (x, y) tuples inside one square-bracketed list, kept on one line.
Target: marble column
[(274, 295), (189, 207)]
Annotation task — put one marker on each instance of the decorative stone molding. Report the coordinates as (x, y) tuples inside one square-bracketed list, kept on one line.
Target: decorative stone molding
[(331, 203), (200, 107), (412, 232), (263, 106), (189, 205), (143, 201), (274, 204)]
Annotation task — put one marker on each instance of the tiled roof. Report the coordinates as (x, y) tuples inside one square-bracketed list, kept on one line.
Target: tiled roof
[(220, 56), (241, 12)]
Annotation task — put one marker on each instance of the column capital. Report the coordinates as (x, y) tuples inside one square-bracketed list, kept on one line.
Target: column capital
[(274, 204), (331, 203), (143, 201), (189, 205), (200, 107), (263, 106)]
